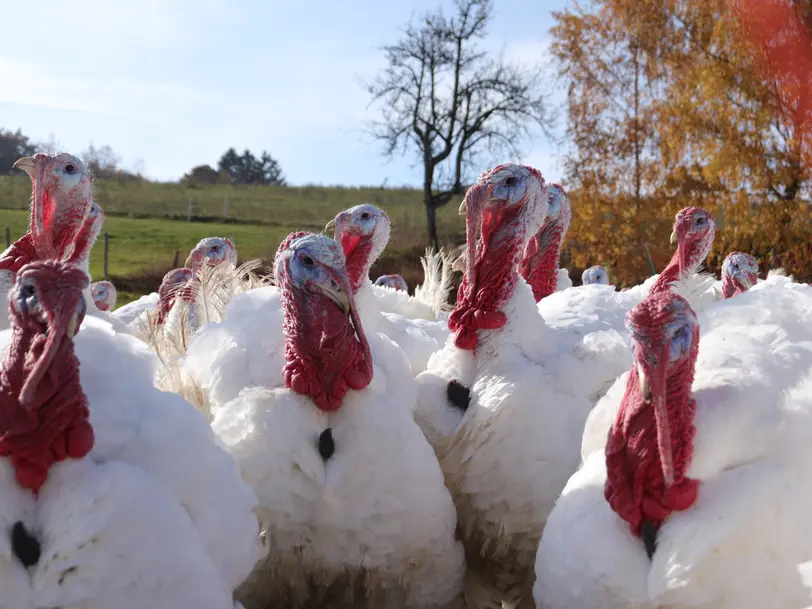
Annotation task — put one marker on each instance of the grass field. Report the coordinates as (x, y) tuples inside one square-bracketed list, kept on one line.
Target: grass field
[(147, 222)]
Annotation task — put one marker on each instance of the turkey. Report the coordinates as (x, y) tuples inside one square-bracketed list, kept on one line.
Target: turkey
[(104, 295), (363, 232), (503, 427), (114, 494), (209, 251), (60, 203), (704, 483), (595, 274), (341, 527), (191, 296), (85, 239), (212, 251), (539, 265), (393, 282), (739, 273), (599, 307)]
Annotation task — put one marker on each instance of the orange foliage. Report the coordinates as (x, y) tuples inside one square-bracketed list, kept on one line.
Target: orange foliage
[(686, 102)]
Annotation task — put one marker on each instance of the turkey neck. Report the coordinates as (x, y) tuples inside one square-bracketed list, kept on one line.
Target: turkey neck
[(670, 274), (540, 264), (358, 258), (493, 278), (730, 288), (635, 487), (54, 424), (325, 349)]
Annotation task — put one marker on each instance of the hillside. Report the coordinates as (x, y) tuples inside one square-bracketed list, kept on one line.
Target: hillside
[(146, 222)]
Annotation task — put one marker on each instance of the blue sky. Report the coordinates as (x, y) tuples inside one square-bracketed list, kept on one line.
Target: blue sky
[(172, 83)]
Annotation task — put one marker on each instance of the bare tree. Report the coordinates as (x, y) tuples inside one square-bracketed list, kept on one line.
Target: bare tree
[(443, 96)]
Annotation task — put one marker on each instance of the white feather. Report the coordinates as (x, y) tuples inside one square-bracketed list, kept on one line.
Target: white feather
[(738, 545)]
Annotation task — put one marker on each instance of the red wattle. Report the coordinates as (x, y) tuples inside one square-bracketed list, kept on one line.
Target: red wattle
[(53, 424), (21, 253), (635, 486), (465, 340), (348, 243)]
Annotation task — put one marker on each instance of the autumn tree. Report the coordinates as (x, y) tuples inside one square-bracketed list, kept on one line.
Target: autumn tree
[(668, 108), (612, 169), (442, 96)]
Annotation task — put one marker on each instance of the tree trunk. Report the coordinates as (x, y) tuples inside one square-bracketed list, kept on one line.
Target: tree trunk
[(428, 201), (431, 224)]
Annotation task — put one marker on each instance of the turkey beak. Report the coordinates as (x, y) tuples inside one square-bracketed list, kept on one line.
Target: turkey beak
[(674, 237), (28, 165), (747, 280), (645, 387), (76, 319), (337, 289), (330, 226), (463, 208), (192, 260)]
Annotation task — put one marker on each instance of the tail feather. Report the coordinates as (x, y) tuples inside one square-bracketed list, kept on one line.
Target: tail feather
[(217, 285), (438, 280), (699, 289), (779, 272)]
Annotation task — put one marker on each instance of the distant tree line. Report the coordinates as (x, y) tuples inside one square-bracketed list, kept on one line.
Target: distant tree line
[(235, 168), (103, 162)]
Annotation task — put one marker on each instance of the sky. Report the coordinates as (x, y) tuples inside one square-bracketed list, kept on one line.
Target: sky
[(171, 84)]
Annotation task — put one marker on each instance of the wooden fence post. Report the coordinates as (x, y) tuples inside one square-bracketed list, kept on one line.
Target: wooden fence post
[(189, 206), (106, 252), (8, 236), (176, 259)]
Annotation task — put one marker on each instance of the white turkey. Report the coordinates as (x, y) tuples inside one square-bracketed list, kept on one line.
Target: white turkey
[(209, 251), (60, 202), (595, 274), (363, 232), (341, 526), (114, 494), (739, 273), (504, 428), (104, 295), (394, 282), (704, 484), (82, 246), (539, 265), (212, 251)]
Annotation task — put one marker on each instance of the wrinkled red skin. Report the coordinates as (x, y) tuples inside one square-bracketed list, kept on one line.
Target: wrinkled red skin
[(478, 307), (539, 267), (21, 253), (325, 349), (53, 425), (357, 250), (635, 482), (731, 288), (324, 357)]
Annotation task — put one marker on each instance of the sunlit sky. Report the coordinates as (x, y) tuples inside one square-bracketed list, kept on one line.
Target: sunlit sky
[(170, 84)]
